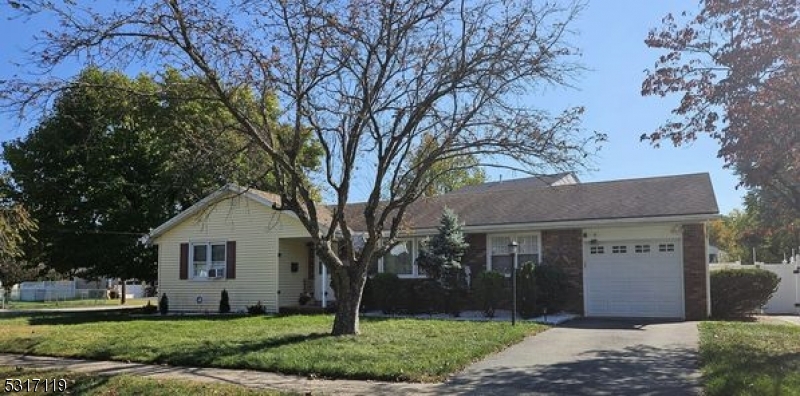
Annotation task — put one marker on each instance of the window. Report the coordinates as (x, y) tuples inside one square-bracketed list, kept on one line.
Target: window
[(597, 250), (619, 249), (400, 259), (500, 254), (642, 248), (208, 260), (666, 247)]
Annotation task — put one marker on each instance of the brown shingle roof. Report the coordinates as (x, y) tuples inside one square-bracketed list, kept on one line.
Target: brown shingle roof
[(512, 184), (633, 198)]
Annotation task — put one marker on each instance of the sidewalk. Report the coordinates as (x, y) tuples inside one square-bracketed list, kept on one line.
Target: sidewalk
[(793, 319), (248, 378), (96, 308)]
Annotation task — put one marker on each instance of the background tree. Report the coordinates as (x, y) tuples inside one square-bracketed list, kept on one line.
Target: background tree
[(16, 227), (739, 232), (118, 156), (736, 65), (368, 78), (450, 174), (440, 256)]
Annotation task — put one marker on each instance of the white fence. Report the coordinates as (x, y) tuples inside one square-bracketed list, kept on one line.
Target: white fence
[(784, 300)]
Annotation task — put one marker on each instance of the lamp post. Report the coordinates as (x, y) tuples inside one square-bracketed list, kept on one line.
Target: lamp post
[(513, 247)]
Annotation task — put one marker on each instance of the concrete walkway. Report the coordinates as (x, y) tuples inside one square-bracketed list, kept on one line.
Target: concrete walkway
[(248, 378), (585, 357), (793, 319)]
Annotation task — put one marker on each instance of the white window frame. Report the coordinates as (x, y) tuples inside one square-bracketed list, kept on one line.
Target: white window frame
[(209, 262), (514, 238), (415, 272)]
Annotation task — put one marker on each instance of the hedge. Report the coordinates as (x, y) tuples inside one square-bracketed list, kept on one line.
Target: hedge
[(736, 293)]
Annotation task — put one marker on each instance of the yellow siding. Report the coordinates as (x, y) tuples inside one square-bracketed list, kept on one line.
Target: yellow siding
[(256, 229), (291, 283)]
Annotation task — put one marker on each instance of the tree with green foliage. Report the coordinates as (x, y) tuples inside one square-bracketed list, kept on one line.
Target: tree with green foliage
[(448, 173), (760, 226), (440, 256), (16, 229), (118, 156)]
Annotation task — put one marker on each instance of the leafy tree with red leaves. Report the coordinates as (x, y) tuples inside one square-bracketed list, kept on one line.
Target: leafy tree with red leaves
[(736, 65)]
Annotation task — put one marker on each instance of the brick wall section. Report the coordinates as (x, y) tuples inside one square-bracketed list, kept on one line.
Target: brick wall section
[(694, 271), (475, 257), (565, 248)]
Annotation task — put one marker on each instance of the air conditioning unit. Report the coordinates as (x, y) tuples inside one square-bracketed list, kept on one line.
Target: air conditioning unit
[(216, 273)]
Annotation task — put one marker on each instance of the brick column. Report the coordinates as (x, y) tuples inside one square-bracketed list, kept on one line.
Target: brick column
[(695, 271), (565, 248)]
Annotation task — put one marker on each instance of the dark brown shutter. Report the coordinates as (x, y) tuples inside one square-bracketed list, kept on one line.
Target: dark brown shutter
[(230, 261), (183, 272)]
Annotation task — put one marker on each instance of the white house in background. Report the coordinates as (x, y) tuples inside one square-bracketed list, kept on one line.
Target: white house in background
[(716, 255)]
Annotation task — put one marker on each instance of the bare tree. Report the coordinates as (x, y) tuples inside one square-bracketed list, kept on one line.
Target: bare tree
[(368, 77)]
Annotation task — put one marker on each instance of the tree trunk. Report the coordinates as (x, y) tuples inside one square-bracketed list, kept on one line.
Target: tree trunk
[(122, 294), (348, 291)]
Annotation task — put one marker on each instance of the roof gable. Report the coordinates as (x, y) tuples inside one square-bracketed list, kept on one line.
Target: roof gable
[(262, 197)]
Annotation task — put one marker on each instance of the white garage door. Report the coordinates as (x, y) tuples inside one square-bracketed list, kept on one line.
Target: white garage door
[(634, 279)]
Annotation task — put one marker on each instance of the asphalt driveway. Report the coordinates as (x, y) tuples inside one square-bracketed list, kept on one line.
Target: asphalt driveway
[(591, 357)]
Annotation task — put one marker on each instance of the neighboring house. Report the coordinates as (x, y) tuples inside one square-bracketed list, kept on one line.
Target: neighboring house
[(631, 248), (716, 255)]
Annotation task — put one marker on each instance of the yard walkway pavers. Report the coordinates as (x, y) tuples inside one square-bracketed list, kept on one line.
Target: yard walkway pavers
[(584, 357)]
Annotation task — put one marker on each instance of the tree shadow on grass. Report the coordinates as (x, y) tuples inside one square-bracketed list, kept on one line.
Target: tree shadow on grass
[(636, 370), (743, 369), (210, 354)]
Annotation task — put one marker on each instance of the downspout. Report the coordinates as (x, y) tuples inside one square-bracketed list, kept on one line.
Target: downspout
[(708, 272), (324, 285)]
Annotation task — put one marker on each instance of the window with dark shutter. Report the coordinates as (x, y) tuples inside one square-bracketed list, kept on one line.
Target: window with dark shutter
[(183, 271), (230, 262)]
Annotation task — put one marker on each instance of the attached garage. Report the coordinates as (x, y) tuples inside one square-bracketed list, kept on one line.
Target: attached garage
[(640, 277)]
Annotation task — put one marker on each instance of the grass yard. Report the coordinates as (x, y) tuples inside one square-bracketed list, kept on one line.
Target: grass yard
[(750, 358), (76, 303), (119, 385), (388, 349)]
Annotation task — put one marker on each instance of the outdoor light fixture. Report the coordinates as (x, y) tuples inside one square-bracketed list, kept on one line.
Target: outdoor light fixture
[(513, 248)]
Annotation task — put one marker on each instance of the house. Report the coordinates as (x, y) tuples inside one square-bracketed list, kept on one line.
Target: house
[(716, 255), (631, 248)]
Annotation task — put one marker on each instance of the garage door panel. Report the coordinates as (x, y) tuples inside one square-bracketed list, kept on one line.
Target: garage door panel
[(643, 279)]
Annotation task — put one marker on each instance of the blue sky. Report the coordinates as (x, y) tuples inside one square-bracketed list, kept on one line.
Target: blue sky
[(611, 36)]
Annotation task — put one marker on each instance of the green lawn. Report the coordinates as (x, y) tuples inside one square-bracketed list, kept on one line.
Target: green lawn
[(117, 385), (388, 349), (75, 303), (750, 358)]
